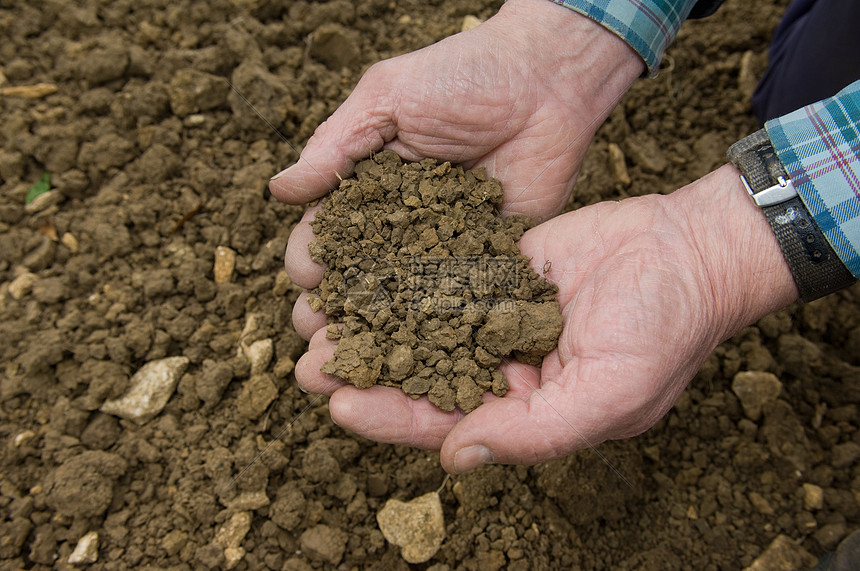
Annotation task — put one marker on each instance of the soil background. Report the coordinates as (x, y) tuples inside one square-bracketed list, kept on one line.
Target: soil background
[(158, 166)]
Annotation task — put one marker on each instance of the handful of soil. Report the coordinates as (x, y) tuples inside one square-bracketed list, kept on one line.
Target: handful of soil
[(426, 277)]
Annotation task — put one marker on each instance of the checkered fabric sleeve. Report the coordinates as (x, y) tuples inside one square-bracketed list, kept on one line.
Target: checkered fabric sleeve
[(819, 145), (648, 26)]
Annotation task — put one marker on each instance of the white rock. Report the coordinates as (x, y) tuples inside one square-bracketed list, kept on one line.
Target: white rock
[(22, 285), (417, 526), (225, 263), (232, 533), (470, 22), (232, 556), (86, 551), (259, 354), (813, 497), (150, 389), (70, 242)]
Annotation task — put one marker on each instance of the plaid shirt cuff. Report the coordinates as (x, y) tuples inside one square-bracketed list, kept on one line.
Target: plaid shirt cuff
[(819, 145), (648, 26)]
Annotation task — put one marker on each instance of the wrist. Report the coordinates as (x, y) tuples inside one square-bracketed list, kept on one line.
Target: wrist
[(742, 263), (581, 60)]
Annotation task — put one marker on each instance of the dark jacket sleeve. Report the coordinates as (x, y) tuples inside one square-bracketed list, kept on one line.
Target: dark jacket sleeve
[(705, 8)]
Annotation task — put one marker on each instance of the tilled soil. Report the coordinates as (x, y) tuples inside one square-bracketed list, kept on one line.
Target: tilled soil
[(159, 241)]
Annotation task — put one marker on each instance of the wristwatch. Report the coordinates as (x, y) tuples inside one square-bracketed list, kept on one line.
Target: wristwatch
[(816, 268)]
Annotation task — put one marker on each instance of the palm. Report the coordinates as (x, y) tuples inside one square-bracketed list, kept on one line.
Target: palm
[(636, 328)]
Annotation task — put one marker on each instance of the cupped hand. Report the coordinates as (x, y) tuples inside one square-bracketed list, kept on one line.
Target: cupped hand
[(647, 286), (521, 94)]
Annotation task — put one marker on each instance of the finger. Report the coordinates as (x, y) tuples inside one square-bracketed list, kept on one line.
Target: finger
[(308, 373), (306, 321), (360, 126), (387, 414), (303, 271)]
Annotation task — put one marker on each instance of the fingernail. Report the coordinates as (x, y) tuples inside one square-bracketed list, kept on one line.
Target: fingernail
[(471, 457), (279, 175)]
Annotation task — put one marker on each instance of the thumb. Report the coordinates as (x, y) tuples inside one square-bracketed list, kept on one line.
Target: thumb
[(360, 126), (533, 423)]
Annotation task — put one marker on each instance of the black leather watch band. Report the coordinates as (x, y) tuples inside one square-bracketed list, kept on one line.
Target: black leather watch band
[(816, 268)]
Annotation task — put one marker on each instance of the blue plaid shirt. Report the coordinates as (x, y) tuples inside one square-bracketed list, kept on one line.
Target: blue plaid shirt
[(819, 144)]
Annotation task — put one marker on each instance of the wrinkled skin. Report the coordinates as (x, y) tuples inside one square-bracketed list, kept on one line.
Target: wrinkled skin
[(647, 286)]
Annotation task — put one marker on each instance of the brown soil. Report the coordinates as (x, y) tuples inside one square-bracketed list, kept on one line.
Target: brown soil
[(157, 164), (426, 277)]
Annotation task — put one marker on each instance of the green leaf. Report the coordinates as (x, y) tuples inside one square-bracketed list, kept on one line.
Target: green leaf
[(40, 187)]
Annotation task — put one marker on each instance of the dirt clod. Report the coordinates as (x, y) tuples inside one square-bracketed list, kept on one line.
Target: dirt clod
[(427, 278)]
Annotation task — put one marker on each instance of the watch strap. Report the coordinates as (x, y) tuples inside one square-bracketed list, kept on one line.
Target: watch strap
[(816, 268)]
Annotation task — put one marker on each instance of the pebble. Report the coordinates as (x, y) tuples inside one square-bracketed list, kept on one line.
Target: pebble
[(22, 285), (813, 497), (470, 21), (225, 263), (783, 554), (70, 242), (230, 536), (417, 526), (86, 551), (249, 501), (618, 165), (149, 390), (44, 201), (259, 354), (755, 389)]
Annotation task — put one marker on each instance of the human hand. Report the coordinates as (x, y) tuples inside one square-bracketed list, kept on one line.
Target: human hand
[(648, 287), (522, 95)]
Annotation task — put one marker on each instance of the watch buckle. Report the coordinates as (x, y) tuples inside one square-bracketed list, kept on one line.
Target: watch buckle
[(782, 191)]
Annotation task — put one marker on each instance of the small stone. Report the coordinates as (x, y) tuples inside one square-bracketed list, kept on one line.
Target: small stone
[(783, 554), (44, 201), (225, 263), (259, 354), (249, 501), (755, 389), (618, 165), (22, 285), (149, 390), (417, 526), (470, 21), (813, 497), (23, 438), (70, 242), (232, 533), (257, 394), (232, 556), (86, 551), (760, 504)]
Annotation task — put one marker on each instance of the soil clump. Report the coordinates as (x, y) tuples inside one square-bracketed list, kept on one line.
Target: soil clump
[(425, 274)]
